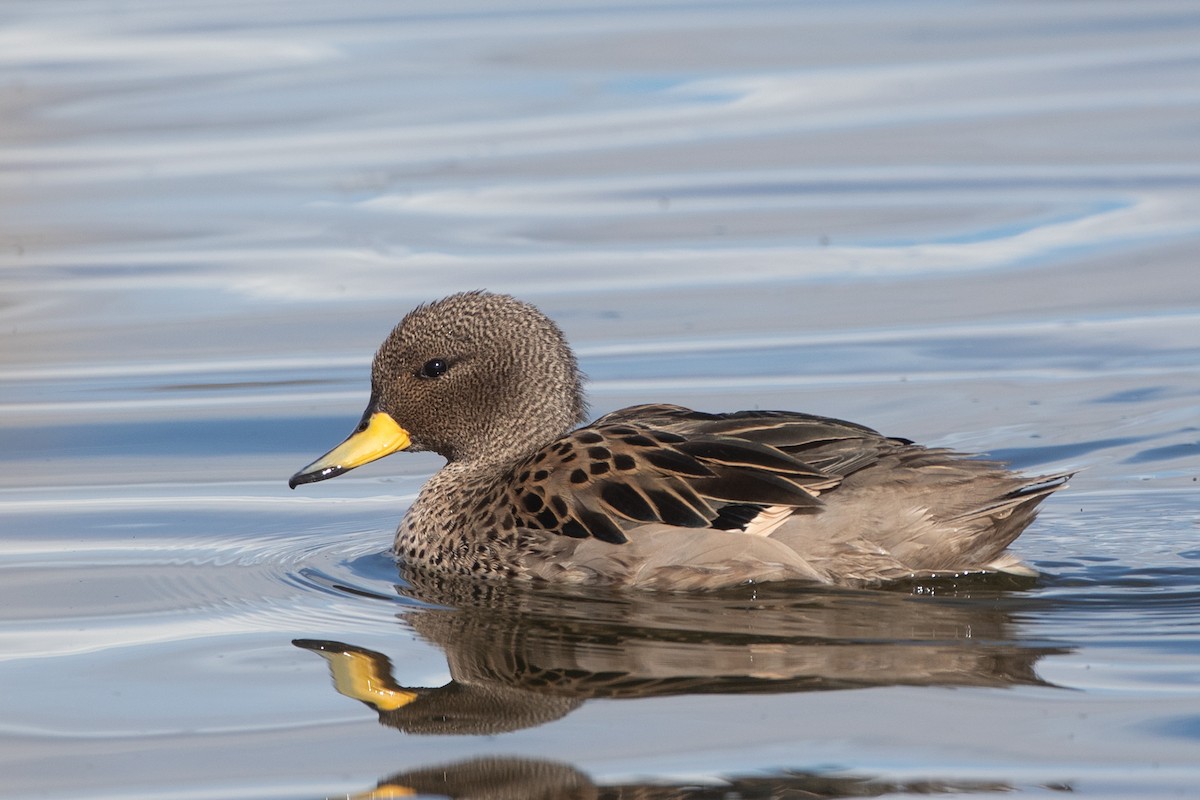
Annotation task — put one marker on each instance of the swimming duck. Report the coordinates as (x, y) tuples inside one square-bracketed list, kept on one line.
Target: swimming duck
[(654, 496)]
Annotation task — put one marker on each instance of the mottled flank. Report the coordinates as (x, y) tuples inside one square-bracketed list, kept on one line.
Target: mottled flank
[(660, 496)]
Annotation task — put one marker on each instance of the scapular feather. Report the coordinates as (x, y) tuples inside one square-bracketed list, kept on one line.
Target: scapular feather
[(744, 453), (627, 501), (756, 487), (674, 509)]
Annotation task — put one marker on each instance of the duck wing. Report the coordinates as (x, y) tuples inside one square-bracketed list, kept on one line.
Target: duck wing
[(687, 469), (829, 445)]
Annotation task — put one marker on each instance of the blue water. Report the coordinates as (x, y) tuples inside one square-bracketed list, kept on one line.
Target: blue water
[(970, 225)]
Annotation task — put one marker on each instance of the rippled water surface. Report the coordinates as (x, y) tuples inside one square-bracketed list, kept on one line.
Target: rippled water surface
[(974, 225)]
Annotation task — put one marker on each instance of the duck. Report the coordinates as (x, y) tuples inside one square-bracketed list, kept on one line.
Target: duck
[(655, 496)]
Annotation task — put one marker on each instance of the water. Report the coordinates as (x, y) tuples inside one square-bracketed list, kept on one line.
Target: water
[(972, 225)]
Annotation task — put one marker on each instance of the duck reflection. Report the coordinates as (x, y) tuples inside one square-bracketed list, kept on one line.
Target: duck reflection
[(533, 779), (520, 657)]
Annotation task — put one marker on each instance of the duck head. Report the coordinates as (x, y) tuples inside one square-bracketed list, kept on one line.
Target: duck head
[(476, 377)]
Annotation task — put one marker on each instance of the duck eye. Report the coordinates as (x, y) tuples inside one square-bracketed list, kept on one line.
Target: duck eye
[(433, 368)]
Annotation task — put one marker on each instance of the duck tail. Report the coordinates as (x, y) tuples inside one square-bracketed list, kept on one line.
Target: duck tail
[(1023, 497)]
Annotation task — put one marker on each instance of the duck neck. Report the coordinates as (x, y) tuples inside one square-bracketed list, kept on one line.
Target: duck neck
[(507, 441), (435, 521)]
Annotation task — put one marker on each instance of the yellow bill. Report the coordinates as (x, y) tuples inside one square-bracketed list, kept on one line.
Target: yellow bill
[(377, 435), (360, 674), (386, 792)]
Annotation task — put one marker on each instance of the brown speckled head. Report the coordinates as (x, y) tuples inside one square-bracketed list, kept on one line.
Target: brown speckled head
[(478, 377)]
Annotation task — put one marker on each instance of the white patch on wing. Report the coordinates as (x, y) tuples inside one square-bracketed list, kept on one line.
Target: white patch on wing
[(767, 520)]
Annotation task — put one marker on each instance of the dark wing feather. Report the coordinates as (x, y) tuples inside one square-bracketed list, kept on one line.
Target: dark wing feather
[(677, 463), (756, 487), (729, 452), (735, 517), (680, 506), (823, 444), (625, 499), (600, 526), (668, 464)]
